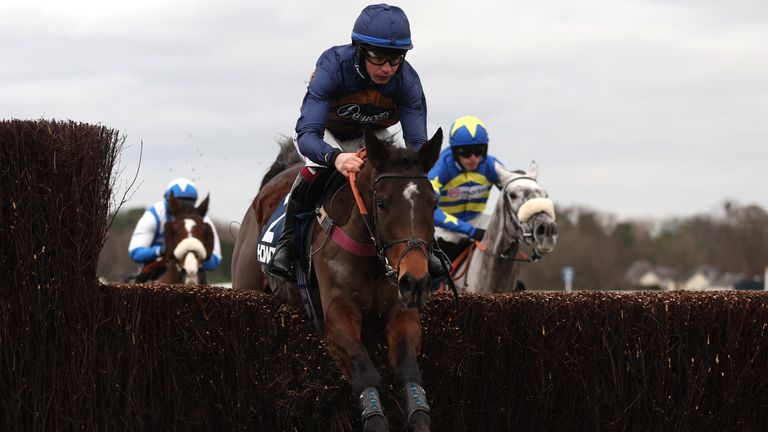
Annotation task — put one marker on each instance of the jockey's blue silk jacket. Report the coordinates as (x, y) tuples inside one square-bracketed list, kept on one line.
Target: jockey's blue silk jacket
[(342, 101), (147, 240), (461, 194)]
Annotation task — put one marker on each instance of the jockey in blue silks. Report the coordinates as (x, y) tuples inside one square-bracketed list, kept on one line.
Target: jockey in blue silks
[(147, 240), (367, 84), (462, 178)]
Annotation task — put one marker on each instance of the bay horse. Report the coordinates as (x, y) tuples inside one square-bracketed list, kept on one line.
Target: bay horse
[(361, 293), (523, 216), (188, 242)]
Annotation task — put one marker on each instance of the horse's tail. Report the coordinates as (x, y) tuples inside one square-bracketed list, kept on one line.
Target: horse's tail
[(287, 157)]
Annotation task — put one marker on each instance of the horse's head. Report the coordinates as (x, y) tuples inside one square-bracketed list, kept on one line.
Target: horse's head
[(188, 238), (530, 209), (402, 203)]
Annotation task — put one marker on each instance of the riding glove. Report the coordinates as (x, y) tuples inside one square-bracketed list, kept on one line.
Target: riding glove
[(478, 234)]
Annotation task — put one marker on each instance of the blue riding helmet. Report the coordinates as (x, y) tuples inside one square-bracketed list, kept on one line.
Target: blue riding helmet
[(182, 188), (468, 131), (383, 26)]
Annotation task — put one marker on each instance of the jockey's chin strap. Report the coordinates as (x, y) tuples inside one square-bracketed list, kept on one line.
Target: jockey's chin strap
[(411, 242)]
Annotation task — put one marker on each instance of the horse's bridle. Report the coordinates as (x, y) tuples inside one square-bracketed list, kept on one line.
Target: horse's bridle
[(375, 234), (522, 235)]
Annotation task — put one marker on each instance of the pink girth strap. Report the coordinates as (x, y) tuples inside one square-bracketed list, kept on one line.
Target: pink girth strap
[(351, 245)]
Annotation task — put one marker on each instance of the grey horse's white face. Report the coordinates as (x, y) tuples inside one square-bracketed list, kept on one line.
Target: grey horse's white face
[(535, 211)]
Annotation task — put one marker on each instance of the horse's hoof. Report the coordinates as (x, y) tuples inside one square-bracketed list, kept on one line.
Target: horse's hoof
[(376, 423), (419, 422)]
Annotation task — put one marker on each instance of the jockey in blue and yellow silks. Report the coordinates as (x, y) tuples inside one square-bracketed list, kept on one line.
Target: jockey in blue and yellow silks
[(462, 179)]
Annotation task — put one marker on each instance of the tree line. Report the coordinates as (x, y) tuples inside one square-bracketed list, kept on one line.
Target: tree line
[(597, 245), (601, 249)]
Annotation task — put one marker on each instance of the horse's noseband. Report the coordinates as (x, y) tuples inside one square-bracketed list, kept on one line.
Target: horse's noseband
[(413, 243)]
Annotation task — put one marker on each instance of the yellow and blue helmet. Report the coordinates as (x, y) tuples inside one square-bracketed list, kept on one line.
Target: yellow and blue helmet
[(468, 130)]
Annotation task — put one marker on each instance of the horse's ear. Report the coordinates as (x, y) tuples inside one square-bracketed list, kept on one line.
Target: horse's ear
[(173, 205), (533, 170), (376, 151), (202, 209), (504, 174), (430, 151)]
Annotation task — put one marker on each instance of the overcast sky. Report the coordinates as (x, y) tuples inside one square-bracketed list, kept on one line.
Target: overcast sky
[(638, 108)]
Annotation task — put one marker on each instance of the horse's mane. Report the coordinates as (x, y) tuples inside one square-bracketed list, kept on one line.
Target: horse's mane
[(287, 157), (403, 159)]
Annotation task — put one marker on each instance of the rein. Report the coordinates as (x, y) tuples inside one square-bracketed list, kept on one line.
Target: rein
[(353, 185)]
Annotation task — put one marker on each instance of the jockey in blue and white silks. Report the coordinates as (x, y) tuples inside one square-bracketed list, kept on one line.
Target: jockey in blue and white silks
[(462, 178), (147, 240), (367, 84)]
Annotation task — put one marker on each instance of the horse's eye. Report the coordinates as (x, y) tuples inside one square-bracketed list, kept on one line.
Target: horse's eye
[(381, 204), (512, 196)]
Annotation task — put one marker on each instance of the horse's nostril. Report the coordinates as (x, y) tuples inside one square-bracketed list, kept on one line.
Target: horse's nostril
[(405, 280), (541, 230), (413, 290)]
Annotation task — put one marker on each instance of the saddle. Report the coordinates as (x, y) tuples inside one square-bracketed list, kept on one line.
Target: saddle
[(325, 184)]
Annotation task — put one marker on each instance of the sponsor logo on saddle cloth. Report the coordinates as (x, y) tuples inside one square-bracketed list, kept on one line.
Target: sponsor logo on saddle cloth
[(271, 233)]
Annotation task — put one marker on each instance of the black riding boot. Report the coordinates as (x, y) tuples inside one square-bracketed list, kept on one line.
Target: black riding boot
[(284, 259)]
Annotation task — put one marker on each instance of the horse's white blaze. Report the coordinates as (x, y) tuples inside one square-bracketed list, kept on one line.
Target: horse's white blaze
[(189, 224), (191, 266), (410, 193)]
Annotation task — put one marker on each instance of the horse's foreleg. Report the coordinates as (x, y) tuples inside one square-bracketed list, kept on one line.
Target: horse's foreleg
[(404, 341), (343, 325)]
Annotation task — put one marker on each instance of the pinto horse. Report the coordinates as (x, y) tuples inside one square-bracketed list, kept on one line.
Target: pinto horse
[(188, 243), (523, 218), (392, 217)]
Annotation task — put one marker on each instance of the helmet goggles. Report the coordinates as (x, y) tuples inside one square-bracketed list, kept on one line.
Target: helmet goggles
[(471, 150), (380, 58)]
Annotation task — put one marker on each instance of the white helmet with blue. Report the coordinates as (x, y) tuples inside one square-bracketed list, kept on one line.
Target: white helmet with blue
[(181, 188)]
